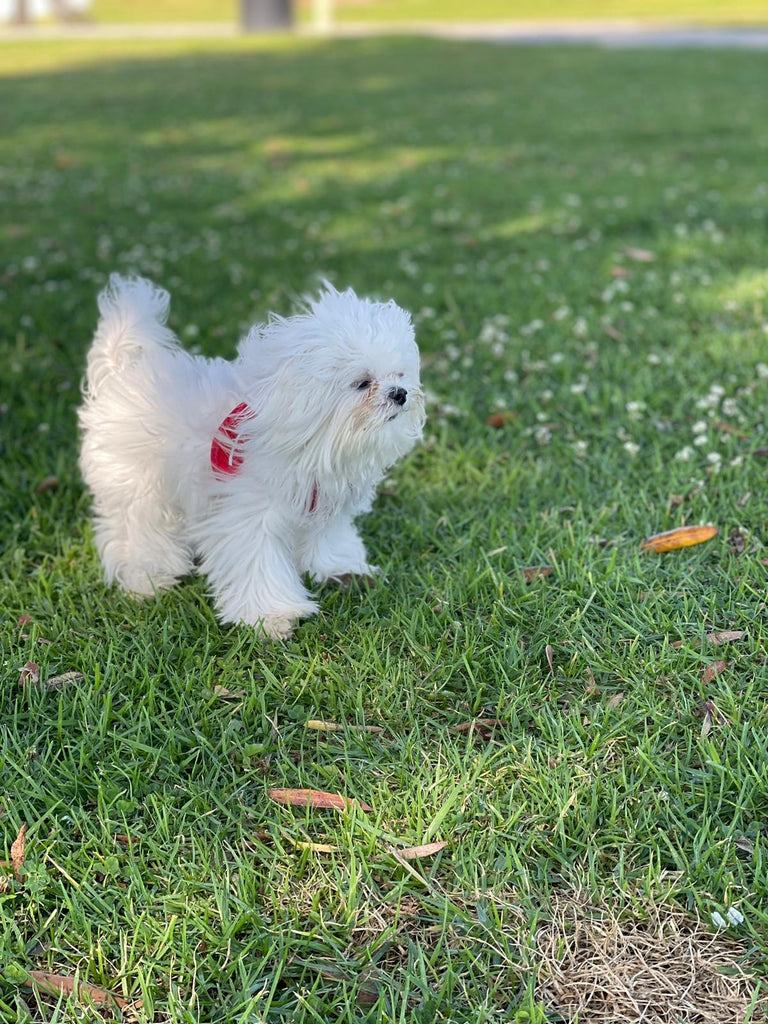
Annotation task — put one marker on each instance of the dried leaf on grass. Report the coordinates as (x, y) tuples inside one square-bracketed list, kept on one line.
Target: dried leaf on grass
[(417, 852), (550, 658), (609, 969), (615, 700), (681, 537), (500, 419), (711, 715), (48, 483), (482, 726), (725, 636), (225, 694), (535, 572), (713, 670), (29, 673), (61, 984), (315, 798), (60, 681), (19, 851), (321, 726)]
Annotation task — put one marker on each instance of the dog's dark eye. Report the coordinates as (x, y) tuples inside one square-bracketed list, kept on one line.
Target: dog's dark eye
[(364, 384)]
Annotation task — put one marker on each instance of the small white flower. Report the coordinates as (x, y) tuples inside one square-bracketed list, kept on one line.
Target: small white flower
[(684, 455), (635, 410), (700, 427), (580, 447), (579, 387), (631, 447), (734, 916), (730, 407), (715, 458)]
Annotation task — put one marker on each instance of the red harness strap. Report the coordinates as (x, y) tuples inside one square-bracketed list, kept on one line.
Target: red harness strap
[(227, 448)]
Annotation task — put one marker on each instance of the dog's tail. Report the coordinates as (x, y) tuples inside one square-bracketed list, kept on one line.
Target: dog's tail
[(132, 322)]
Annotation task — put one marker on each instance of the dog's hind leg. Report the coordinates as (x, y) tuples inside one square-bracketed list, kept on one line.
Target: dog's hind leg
[(139, 542)]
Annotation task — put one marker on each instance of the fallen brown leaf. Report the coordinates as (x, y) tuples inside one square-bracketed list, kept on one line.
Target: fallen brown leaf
[(744, 845), (30, 673), (321, 726), (534, 572), (62, 680), (58, 984), (24, 620), (619, 272), (48, 483), (484, 726), (611, 332), (725, 636), (500, 419), (737, 542), (19, 851), (639, 255), (681, 537), (615, 700), (315, 798), (225, 694), (713, 670), (417, 852)]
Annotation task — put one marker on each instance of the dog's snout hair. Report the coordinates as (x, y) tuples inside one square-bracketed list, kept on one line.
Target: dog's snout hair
[(397, 395)]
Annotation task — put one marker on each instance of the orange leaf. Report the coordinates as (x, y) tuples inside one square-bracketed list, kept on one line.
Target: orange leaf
[(19, 851), (497, 420), (416, 852), (682, 537), (56, 984), (315, 798)]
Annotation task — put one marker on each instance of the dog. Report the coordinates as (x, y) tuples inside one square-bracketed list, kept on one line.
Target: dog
[(250, 471)]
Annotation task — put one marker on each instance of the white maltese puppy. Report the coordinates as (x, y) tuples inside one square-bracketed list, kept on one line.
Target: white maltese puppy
[(255, 469)]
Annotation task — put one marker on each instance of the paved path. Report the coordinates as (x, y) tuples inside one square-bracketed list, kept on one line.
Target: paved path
[(608, 34)]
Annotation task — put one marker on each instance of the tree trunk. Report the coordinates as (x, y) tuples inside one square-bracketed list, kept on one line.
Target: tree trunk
[(21, 16), (262, 15)]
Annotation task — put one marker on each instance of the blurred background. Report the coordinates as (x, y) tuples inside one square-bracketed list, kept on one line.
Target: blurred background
[(346, 12)]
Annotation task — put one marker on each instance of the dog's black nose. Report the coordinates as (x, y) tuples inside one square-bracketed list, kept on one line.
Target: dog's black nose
[(398, 395)]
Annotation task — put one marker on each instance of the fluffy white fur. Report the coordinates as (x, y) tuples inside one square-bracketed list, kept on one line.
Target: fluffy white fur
[(337, 400)]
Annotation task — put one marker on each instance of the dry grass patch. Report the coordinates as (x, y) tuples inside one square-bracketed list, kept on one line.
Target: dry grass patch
[(665, 968)]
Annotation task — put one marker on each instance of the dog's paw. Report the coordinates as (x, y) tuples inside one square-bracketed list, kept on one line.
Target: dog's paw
[(278, 627)]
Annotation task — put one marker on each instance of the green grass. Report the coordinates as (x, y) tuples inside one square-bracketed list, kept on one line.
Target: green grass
[(494, 193)]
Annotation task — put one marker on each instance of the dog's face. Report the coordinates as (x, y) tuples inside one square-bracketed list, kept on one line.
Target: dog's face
[(345, 381)]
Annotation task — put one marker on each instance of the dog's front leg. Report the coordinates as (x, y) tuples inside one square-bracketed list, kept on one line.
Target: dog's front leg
[(252, 576), (337, 552)]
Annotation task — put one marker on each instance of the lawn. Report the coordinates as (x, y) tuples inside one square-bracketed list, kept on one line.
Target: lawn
[(581, 236)]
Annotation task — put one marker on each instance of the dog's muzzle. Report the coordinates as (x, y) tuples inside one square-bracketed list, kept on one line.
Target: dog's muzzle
[(397, 395)]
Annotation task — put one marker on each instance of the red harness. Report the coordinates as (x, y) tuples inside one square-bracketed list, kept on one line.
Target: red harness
[(227, 448)]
